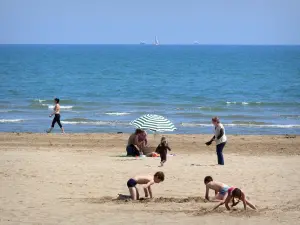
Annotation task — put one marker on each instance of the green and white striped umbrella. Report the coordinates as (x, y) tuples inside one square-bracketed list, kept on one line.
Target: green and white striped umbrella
[(154, 123)]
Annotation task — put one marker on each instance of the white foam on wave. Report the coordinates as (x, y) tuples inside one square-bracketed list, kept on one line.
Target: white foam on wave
[(244, 125), (196, 125), (89, 122), (243, 103), (39, 100), (62, 107), (11, 120), (117, 113), (234, 103), (99, 123)]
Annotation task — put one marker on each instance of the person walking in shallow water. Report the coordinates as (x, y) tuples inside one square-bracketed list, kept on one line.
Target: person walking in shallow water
[(56, 119), (220, 139)]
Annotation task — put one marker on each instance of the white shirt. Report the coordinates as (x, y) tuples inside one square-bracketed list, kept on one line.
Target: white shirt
[(217, 133)]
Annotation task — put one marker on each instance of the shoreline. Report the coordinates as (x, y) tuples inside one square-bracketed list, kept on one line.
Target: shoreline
[(158, 134), (183, 143)]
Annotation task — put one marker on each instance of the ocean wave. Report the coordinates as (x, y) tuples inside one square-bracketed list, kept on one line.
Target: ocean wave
[(50, 101), (143, 104), (290, 116), (87, 122), (11, 120), (76, 121), (264, 103), (195, 125), (212, 109), (11, 111), (249, 122), (44, 105), (117, 113), (244, 125), (242, 103), (62, 106), (39, 100)]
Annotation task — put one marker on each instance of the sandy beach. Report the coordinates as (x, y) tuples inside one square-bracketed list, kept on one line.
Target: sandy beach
[(75, 178)]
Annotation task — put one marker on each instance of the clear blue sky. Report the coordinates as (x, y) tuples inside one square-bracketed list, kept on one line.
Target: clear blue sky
[(131, 21)]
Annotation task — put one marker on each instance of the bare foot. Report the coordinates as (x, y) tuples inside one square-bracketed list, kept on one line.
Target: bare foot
[(123, 197)]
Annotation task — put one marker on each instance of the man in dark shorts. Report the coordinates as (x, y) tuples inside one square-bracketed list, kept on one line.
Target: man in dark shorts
[(56, 119)]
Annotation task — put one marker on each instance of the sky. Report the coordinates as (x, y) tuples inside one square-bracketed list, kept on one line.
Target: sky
[(248, 22)]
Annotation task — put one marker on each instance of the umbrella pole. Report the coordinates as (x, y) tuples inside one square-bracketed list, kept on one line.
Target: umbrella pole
[(155, 135)]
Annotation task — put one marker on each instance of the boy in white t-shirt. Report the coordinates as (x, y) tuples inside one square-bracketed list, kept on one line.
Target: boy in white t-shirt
[(220, 139)]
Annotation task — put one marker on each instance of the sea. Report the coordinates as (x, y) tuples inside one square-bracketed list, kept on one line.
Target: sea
[(102, 88)]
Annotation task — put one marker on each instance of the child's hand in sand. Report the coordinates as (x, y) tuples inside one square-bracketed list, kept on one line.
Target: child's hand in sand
[(234, 204)]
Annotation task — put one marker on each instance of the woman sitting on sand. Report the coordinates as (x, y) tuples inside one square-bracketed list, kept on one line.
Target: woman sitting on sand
[(135, 144), (142, 139)]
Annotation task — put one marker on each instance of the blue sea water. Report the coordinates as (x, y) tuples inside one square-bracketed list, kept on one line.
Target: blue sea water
[(253, 89)]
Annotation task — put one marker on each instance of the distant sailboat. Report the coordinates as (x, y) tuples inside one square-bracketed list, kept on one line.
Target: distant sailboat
[(196, 43), (156, 41), (142, 43)]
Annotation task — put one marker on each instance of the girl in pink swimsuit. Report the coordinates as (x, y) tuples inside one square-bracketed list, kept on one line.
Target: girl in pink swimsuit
[(233, 193)]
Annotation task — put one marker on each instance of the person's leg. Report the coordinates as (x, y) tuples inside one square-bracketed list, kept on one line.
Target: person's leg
[(129, 150), (137, 193), (220, 153), (52, 125), (220, 196), (217, 198), (123, 197), (163, 158), (133, 194), (59, 123), (136, 152)]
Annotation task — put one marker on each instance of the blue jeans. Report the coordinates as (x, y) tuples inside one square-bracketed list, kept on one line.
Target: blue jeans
[(132, 151), (220, 153)]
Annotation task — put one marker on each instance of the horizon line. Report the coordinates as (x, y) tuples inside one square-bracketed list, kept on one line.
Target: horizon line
[(151, 44)]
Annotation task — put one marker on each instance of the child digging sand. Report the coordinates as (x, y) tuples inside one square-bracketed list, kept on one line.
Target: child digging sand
[(147, 181), (162, 149), (235, 193), (219, 188)]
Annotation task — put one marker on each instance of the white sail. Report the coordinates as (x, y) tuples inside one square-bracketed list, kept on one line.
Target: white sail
[(156, 41)]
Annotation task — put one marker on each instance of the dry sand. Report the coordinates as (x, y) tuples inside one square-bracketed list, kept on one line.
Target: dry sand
[(74, 179)]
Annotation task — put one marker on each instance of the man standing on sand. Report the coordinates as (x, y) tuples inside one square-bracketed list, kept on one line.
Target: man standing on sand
[(56, 119), (220, 139)]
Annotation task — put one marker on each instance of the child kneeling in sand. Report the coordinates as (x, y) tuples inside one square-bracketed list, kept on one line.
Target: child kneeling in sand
[(219, 188), (146, 181), (235, 193)]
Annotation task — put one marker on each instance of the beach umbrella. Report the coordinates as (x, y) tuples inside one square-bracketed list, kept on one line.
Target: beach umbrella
[(154, 123)]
